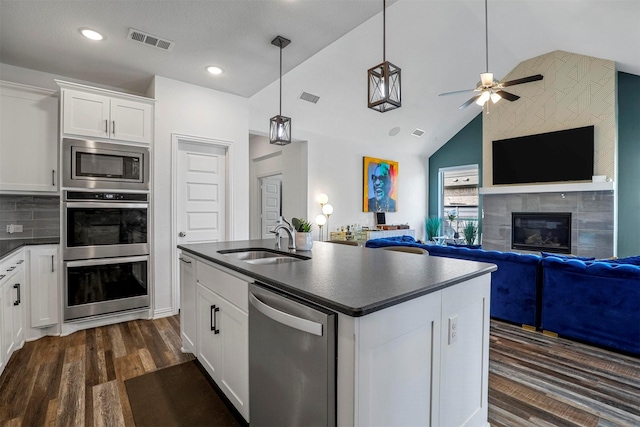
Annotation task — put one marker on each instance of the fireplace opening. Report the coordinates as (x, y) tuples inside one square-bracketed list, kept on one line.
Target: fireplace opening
[(541, 231)]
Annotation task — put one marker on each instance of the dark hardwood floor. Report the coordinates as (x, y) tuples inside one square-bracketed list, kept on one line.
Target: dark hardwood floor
[(534, 380)]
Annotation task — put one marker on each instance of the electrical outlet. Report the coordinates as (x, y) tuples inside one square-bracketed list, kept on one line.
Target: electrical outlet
[(14, 228), (453, 329)]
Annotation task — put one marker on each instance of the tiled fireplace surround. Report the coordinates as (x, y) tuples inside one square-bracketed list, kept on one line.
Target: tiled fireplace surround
[(592, 219)]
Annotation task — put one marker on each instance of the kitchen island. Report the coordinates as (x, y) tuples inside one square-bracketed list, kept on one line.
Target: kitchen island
[(412, 331)]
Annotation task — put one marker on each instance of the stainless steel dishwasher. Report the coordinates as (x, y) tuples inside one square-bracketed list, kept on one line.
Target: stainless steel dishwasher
[(292, 361)]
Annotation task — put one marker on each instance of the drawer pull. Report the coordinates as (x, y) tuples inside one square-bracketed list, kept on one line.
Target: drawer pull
[(17, 286), (214, 310)]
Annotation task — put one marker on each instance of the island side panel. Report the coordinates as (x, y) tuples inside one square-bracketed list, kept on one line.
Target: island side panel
[(464, 369), (397, 368)]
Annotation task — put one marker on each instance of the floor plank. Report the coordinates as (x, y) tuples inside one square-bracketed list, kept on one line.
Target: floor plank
[(534, 380)]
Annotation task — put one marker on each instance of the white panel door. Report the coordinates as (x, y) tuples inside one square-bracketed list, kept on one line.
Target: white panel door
[(201, 194), (270, 201)]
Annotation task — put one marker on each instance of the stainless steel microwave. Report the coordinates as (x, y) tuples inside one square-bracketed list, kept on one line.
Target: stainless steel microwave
[(91, 164)]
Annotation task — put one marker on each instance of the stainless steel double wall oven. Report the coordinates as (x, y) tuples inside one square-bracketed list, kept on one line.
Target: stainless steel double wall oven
[(105, 228)]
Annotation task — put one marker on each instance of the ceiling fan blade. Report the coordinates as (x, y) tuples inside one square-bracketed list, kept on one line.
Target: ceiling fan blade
[(457, 91), (522, 80), (470, 101), (508, 96)]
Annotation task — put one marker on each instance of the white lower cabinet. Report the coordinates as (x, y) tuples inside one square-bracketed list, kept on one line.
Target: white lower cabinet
[(422, 362), (221, 336), (12, 312), (44, 307)]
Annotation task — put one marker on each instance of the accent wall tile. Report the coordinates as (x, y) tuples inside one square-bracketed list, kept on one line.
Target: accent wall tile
[(39, 216)]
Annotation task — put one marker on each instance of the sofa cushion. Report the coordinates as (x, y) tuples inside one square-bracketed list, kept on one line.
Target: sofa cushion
[(633, 260), (561, 256)]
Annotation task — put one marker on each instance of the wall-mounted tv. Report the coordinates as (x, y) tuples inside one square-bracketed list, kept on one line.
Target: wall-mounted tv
[(565, 155)]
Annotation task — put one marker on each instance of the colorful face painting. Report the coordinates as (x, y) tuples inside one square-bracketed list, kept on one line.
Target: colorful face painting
[(380, 185)]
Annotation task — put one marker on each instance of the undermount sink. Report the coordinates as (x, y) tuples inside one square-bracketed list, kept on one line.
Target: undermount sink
[(262, 256)]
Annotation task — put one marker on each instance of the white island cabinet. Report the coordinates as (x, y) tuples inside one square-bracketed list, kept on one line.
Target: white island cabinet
[(416, 352), (215, 325), (423, 362)]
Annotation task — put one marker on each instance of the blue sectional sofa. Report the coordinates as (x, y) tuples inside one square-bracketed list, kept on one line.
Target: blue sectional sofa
[(596, 302), (515, 285)]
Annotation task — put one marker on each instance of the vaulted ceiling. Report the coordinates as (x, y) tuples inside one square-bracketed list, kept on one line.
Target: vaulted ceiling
[(439, 44)]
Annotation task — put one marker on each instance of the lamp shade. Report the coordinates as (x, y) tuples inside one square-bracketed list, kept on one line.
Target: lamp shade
[(327, 209), (321, 220), (322, 199)]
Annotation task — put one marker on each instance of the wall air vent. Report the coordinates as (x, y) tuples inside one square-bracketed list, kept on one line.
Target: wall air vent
[(149, 40), (309, 97), (417, 133)]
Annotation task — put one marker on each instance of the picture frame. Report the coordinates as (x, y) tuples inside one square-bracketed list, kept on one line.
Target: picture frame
[(380, 185)]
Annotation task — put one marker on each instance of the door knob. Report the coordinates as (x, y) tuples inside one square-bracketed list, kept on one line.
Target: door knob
[(182, 234)]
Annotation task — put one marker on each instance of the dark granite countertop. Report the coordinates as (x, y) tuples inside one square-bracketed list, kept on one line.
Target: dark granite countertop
[(348, 279), (8, 246)]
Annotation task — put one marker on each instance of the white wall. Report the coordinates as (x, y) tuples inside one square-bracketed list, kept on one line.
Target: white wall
[(196, 111), (335, 168)]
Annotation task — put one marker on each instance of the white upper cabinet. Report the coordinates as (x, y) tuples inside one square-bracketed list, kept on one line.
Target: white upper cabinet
[(28, 138), (98, 113)]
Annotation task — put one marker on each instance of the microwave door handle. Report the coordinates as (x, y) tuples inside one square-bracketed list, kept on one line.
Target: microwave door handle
[(106, 205)]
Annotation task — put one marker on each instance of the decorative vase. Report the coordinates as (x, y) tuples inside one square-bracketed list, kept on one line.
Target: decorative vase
[(304, 241)]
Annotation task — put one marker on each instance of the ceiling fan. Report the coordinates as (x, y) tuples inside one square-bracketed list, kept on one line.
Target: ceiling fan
[(488, 88)]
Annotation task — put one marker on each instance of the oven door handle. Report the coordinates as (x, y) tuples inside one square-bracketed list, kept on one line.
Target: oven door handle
[(104, 261), (117, 204)]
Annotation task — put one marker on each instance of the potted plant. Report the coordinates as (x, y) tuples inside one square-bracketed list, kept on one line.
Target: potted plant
[(432, 227), (304, 238), (470, 232)]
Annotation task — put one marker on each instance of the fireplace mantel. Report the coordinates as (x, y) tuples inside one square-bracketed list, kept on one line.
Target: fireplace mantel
[(549, 188)]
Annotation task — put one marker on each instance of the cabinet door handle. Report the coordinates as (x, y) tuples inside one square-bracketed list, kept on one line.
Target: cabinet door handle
[(52, 269), (106, 126), (17, 286), (214, 310), (185, 261), (11, 268), (113, 127), (53, 177), (20, 261)]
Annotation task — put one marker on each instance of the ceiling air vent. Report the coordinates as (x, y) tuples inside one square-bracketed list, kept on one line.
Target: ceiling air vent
[(417, 133), (309, 97), (149, 40)]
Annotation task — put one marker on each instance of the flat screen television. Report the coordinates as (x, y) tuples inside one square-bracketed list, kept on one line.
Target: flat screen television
[(565, 155)]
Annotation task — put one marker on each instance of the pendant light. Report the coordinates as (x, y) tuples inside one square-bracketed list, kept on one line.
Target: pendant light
[(280, 126), (384, 79)]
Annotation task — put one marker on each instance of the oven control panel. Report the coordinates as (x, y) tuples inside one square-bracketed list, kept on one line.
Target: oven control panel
[(105, 196)]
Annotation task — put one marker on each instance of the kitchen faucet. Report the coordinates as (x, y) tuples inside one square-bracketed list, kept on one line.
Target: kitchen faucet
[(290, 231)]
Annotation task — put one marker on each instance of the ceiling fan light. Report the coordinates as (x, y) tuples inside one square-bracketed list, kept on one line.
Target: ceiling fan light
[(495, 97), (486, 79), (483, 98)]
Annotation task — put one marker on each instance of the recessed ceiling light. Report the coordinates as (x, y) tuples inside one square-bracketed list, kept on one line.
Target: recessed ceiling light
[(90, 34), (214, 70)]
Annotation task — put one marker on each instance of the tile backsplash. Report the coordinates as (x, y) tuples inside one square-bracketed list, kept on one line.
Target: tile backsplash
[(38, 215)]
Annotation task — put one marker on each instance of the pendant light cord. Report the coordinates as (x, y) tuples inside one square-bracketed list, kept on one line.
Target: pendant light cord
[(280, 113), (384, 31)]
